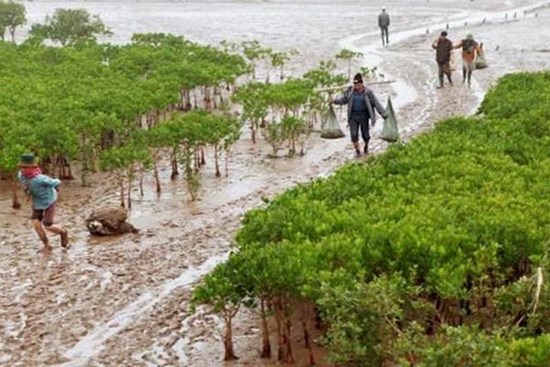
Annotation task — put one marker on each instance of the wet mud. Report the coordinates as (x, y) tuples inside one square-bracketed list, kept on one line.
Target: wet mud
[(123, 300)]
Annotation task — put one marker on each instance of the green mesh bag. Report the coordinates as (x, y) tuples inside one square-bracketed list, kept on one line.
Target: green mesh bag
[(390, 132), (330, 128), (480, 62)]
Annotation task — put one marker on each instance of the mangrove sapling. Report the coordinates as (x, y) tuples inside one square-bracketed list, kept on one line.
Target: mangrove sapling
[(12, 15), (87, 158), (61, 165), (258, 275), (217, 160), (273, 134), (295, 263), (155, 158), (120, 178), (348, 56), (254, 52), (255, 105), (458, 346), (142, 172), (284, 310), (156, 139), (123, 161), (306, 313), (219, 100), (256, 118), (174, 163), (69, 26), (320, 78), (367, 72), (191, 133), (198, 158), (323, 75), (202, 157), (292, 129), (279, 60), (225, 130), (141, 165), (207, 99), (185, 100), (191, 129), (14, 186), (186, 157), (130, 174), (287, 101), (283, 313), (264, 312), (234, 133), (223, 290), (9, 158)]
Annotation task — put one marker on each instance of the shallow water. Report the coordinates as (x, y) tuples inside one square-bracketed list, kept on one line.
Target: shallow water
[(122, 301)]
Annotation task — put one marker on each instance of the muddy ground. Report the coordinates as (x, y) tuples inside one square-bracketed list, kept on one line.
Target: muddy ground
[(122, 301)]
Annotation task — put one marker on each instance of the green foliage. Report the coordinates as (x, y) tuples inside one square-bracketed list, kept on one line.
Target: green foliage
[(454, 346), (432, 254), (323, 75), (78, 101), (348, 55), (363, 317), (222, 289), (12, 15), (124, 158), (68, 26), (521, 91), (531, 352), (188, 133), (279, 59), (287, 104)]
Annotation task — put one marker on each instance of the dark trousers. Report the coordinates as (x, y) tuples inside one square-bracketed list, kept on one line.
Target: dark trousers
[(359, 121), (384, 32)]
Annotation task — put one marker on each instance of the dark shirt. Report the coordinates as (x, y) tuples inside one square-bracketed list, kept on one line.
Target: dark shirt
[(384, 20), (359, 104), (443, 50)]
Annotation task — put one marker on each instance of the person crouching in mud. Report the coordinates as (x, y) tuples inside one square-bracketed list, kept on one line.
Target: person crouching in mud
[(43, 192), (361, 103)]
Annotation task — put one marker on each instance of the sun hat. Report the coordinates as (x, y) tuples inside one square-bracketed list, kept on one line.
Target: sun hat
[(27, 160)]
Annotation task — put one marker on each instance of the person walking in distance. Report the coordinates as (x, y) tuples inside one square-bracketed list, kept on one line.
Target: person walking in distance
[(384, 23), (470, 49), (43, 191), (362, 104), (443, 47)]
